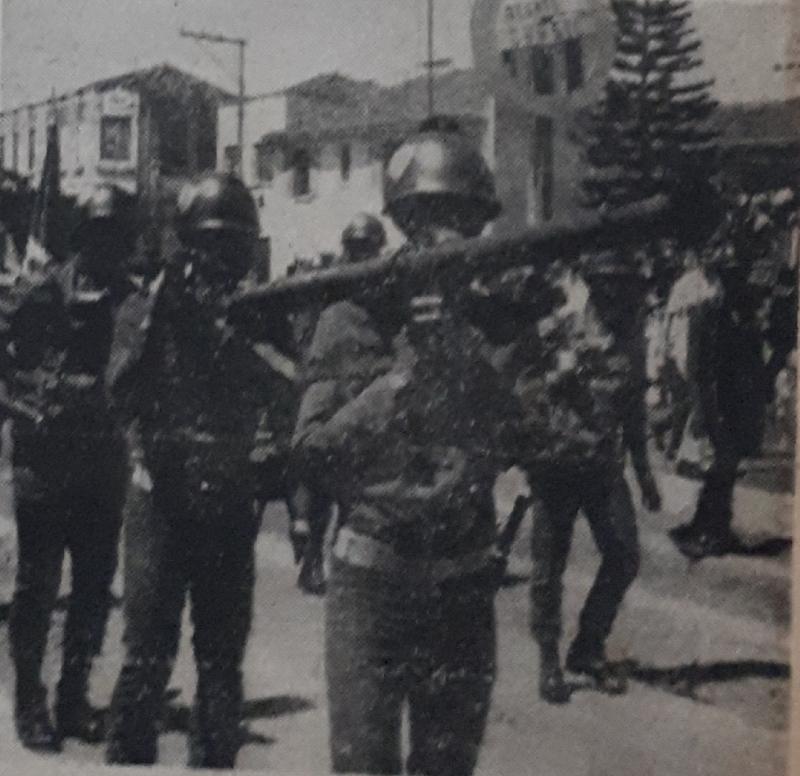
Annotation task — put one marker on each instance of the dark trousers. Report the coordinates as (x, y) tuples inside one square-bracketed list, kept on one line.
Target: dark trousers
[(178, 540), (605, 499), (388, 642), (83, 518), (714, 511)]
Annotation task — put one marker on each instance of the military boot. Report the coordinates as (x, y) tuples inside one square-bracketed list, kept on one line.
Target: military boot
[(552, 687), (32, 720), (588, 657), (75, 717)]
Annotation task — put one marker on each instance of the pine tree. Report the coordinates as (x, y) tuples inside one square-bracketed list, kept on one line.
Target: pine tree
[(651, 130)]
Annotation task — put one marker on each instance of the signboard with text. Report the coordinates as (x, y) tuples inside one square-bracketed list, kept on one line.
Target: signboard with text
[(523, 23)]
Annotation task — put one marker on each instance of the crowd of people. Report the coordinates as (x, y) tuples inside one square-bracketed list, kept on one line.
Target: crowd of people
[(159, 406)]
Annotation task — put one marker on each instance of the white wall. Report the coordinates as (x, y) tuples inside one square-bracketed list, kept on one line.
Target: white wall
[(308, 226), (79, 136), (262, 115)]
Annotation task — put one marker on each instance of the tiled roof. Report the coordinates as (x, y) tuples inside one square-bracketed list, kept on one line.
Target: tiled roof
[(334, 103), (158, 79)]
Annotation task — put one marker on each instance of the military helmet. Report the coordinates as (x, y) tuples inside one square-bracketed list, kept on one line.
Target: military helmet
[(365, 228), (216, 203), (437, 162)]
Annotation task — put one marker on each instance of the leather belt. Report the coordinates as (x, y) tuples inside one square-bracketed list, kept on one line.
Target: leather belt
[(365, 552)]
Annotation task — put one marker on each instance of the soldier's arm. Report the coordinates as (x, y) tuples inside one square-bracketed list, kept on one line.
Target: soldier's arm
[(334, 420), (126, 372)]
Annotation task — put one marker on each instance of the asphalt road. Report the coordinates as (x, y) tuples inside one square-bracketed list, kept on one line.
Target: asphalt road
[(707, 645)]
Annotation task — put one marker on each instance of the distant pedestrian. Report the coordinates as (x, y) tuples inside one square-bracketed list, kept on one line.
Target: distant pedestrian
[(731, 382)]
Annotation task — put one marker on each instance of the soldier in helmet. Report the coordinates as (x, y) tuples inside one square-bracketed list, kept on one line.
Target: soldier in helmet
[(363, 238), (405, 421), (310, 508), (579, 379), (69, 463), (196, 384)]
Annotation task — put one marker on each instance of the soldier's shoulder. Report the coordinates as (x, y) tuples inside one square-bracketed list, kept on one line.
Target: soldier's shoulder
[(346, 342), (345, 324)]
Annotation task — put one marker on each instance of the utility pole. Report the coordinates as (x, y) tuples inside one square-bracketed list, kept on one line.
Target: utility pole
[(241, 43), (431, 64)]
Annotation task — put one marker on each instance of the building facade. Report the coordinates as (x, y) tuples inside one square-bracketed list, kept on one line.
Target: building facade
[(131, 130), (315, 153)]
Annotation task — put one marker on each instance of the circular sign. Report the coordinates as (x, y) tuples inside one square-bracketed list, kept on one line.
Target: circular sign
[(524, 23)]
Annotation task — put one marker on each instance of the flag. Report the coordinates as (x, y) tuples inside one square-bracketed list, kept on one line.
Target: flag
[(47, 233)]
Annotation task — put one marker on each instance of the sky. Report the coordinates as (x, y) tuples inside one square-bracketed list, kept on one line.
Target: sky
[(60, 45)]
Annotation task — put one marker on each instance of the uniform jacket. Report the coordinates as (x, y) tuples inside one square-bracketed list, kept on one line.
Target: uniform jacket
[(379, 415), (199, 386), (576, 387), (57, 335)]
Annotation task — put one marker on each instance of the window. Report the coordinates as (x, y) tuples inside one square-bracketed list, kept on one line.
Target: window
[(542, 181), (345, 161), (573, 54), (265, 164), (509, 59), (15, 151), (115, 138), (31, 149), (542, 76), (301, 177)]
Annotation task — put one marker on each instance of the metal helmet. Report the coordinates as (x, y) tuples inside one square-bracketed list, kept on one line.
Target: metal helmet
[(365, 229), (216, 202), (439, 161)]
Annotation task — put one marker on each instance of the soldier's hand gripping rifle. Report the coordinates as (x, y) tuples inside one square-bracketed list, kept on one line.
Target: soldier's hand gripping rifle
[(461, 260)]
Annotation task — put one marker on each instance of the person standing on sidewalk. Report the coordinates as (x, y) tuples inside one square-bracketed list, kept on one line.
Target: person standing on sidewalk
[(408, 427), (69, 468), (732, 383)]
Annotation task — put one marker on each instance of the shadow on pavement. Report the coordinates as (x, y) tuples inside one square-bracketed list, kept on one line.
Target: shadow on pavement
[(685, 679), (768, 548), (177, 717)]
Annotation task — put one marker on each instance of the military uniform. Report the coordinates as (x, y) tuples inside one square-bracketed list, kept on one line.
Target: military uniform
[(406, 421), (69, 479), (575, 387), (196, 385), (310, 506)]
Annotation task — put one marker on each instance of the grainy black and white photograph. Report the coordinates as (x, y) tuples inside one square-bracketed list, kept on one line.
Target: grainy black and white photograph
[(398, 386)]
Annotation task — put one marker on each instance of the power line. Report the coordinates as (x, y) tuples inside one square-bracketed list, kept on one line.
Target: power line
[(241, 43)]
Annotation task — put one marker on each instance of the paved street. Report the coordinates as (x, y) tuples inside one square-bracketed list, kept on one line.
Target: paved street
[(707, 645)]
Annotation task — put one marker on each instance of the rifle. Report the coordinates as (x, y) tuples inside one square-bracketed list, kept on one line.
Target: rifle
[(461, 260)]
